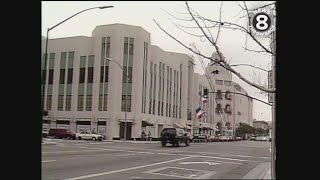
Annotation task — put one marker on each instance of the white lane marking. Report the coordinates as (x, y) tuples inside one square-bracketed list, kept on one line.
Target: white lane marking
[(100, 143), (209, 163), (181, 154), (126, 169), (270, 149), (49, 161), (125, 154), (172, 174), (53, 152), (173, 151)]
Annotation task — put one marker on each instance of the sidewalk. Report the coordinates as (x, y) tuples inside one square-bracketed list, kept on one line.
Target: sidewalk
[(261, 171)]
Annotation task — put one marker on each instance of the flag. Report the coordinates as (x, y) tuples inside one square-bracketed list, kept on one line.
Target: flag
[(205, 114), (199, 112)]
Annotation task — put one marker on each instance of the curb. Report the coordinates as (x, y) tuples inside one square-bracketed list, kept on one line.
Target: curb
[(261, 171)]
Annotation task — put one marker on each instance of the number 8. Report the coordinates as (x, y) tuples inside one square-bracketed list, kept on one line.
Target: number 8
[(263, 22)]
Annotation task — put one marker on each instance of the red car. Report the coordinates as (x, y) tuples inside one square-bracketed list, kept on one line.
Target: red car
[(61, 133)]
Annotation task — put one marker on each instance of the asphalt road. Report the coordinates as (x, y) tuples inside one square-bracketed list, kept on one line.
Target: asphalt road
[(118, 160)]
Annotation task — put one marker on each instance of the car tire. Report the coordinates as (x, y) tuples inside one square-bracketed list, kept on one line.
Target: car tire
[(178, 143), (187, 142), (79, 138), (94, 139), (163, 144)]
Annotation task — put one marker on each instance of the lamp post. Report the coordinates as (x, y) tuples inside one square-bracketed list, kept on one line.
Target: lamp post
[(125, 102), (46, 56)]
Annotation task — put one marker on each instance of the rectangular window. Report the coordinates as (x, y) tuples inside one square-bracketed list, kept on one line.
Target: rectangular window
[(49, 102), (60, 103), (219, 82), (70, 75), (227, 83), (80, 102), (50, 76), (159, 108), (105, 102), (62, 76), (105, 74), (90, 75), (124, 102), (82, 75), (68, 102), (100, 102), (89, 103)]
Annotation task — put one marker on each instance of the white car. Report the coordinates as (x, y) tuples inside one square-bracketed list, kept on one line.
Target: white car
[(87, 135)]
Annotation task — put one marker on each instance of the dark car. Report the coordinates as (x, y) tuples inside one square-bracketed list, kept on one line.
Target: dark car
[(61, 133), (197, 137), (174, 136)]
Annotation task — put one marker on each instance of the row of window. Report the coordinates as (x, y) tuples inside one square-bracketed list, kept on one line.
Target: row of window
[(220, 82)]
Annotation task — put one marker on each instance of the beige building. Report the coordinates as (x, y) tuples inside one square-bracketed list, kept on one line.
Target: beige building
[(261, 124), (84, 91)]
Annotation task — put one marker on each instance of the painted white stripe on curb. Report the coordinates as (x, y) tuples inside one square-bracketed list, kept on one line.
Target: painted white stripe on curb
[(49, 161)]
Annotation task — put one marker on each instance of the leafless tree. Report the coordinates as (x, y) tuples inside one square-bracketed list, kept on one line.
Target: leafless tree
[(206, 26)]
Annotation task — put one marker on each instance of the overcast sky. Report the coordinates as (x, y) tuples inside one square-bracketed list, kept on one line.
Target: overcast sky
[(142, 13)]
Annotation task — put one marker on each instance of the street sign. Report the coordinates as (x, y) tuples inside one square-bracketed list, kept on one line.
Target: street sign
[(270, 86)]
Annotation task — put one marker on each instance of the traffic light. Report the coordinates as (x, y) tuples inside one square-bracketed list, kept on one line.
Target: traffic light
[(205, 92)]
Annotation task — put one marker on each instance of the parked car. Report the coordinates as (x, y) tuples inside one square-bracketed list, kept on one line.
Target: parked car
[(197, 137), (61, 133), (45, 133), (252, 138), (87, 135), (213, 138), (224, 138), (261, 138), (174, 136)]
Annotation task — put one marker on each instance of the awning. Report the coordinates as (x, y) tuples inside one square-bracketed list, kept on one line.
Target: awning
[(63, 119), (178, 126), (207, 128), (48, 118), (146, 123), (102, 119), (83, 119), (128, 120)]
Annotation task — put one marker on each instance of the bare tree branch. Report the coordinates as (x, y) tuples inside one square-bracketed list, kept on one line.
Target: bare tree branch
[(177, 25), (221, 63), (257, 51), (243, 29), (263, 6), (175, 16), (220, 21)]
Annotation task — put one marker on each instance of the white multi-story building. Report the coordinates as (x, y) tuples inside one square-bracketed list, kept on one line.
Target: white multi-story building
[(84, 90)]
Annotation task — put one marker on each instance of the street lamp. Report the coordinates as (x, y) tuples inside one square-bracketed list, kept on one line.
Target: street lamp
[(46, 56), (125, 102)]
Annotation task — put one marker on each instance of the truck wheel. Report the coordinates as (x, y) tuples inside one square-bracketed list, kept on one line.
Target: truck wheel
[(163, 143), (187, 142), (178, 143)]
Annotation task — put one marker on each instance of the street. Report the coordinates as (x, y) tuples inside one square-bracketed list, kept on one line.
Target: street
[(117, 160)]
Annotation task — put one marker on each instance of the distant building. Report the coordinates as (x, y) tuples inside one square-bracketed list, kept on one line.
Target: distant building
[(261, 124), (84, 91)]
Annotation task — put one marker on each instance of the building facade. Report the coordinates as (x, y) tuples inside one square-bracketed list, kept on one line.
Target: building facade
[(116, 77)]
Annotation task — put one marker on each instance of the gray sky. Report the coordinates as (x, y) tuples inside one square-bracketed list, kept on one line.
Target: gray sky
[(142, 13)]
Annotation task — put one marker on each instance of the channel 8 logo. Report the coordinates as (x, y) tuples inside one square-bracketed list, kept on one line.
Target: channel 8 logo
[(262, 23)]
